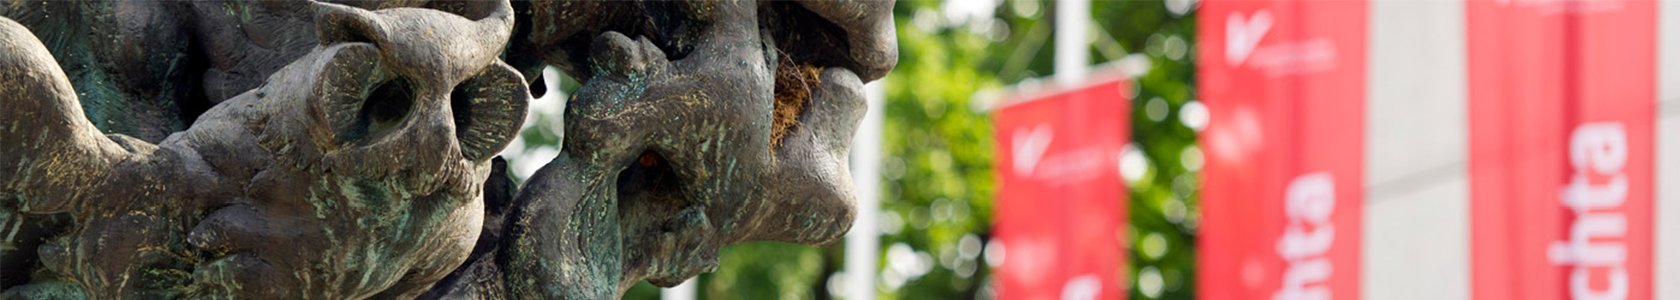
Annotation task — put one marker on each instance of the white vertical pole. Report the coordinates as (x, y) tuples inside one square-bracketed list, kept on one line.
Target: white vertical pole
[(1667, 233), (684, 291), (863, 242), (1073, 51)]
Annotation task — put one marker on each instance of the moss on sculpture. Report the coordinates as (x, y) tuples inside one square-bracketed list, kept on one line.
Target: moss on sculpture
[(304, 149)]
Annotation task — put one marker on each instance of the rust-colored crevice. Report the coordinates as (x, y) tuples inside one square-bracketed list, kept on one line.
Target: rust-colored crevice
[(794, 84)]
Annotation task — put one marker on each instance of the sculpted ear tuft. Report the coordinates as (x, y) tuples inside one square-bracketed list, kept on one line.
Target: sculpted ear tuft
[(489, 108), (343, 24)]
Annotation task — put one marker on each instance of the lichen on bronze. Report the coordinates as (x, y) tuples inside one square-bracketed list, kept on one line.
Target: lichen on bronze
[(316, 150)]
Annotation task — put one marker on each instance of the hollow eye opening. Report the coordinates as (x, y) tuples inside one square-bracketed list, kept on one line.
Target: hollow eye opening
[(461, 107), (650, 195), (488, 111), (383, 110)]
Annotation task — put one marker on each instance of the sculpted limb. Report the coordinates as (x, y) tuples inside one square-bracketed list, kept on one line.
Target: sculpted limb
[(42, 117), (56, 150), (699, 124), (347, 151), (355, 171)]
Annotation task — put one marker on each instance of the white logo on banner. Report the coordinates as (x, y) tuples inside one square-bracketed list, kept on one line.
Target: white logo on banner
[(1029, 147), (1279, 58), (1596, 150), (1309, 202), (1242, 35)]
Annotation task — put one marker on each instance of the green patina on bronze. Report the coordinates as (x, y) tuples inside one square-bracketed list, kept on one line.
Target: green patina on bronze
[(232, 149)]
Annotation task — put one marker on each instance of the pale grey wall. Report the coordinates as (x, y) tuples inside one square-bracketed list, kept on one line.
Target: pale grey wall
[(1668, 151), (1417, 229)]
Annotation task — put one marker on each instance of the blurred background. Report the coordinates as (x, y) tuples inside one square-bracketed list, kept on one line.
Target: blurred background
[(937, 185)]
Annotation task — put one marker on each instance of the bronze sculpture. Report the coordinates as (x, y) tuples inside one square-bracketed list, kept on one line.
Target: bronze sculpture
[(303, 149)]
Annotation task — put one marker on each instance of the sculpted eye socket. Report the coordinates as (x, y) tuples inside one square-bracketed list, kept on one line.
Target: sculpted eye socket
[(357, 97), (385, 107), (807, 37), (673, 25), (488, 110)]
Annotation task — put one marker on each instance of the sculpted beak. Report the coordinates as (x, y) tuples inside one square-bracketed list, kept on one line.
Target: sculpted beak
[(815, 202)]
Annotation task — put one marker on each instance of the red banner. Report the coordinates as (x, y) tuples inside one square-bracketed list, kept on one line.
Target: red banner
[(1061, 210), (1562, 97), (1284, 82)]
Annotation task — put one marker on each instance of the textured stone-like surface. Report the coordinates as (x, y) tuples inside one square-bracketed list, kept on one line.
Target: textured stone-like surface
[(354, 171), (287, 149), (684, 139)]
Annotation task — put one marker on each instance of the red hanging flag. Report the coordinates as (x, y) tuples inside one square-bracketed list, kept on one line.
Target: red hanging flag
[(1562, 99), (1284, 82), (1061, 210)]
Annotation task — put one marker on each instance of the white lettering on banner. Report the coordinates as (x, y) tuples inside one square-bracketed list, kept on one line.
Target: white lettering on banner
[(1309, 202), (1032, 160), (1280, 58), (1296, 57), (1074, 166), (1596, 150)]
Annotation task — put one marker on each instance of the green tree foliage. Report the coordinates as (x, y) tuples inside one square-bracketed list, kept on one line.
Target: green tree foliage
[(938, 183), (1163, 206)]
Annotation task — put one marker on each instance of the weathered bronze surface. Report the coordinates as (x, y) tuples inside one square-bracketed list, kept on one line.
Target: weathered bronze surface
[(293, 149)]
